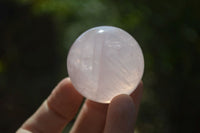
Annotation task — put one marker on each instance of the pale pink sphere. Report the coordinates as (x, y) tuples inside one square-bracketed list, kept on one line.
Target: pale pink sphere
[(104, 62)]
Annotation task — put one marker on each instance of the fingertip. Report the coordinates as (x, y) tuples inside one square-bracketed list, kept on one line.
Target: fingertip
[(120, 117), (63, 84), (122, 103), (122, 98)]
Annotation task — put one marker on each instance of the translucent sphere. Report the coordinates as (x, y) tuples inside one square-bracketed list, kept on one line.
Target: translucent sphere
[(104, 62)]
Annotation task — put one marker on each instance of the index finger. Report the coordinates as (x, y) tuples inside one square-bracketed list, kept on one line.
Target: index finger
[(58, 110)]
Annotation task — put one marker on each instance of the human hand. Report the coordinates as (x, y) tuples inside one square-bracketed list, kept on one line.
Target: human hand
[(62, 105)]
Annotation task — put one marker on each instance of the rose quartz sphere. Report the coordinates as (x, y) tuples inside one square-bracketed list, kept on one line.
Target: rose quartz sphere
[(104, 62)]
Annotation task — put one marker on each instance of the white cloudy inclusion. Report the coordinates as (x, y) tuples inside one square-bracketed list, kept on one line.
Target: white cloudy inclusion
[(104, 62)]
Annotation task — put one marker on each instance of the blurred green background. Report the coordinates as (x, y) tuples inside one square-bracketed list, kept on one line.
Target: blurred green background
[(35, 36)]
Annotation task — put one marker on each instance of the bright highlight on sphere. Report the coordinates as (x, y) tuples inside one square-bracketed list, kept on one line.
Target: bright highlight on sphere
[(104, 62)]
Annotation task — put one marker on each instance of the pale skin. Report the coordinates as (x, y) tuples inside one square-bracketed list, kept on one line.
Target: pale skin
[(63, 104)]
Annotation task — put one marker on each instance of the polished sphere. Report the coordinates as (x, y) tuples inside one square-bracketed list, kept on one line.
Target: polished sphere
[(104, 62)]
